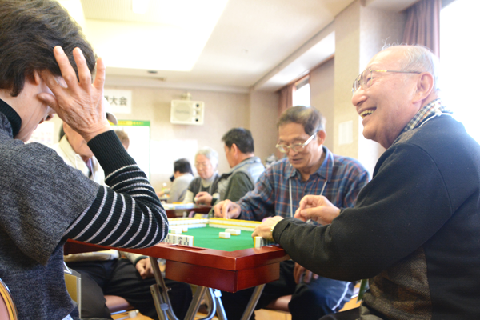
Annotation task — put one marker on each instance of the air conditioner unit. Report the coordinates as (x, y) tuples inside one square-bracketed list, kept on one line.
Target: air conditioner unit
[(187, 112)]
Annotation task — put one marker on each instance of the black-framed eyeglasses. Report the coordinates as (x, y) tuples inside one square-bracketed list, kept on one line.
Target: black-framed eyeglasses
[(297, 147), (363, 79)]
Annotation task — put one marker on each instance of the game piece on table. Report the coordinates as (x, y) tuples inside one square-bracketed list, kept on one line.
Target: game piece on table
[(224, 235), (185, 228), (175, 230), (234, 232), (259, 242)]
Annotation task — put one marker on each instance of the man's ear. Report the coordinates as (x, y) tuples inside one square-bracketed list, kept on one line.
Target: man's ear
[(425, 86), (235, 149), (321, 136)]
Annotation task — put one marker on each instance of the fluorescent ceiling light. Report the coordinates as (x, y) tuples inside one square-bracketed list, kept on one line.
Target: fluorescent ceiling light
[(140, 6)]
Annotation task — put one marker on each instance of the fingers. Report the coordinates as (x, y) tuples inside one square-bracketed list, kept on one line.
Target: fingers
[(217, 210), (83, 71), (65, 68), (99, 80), (225, 207)]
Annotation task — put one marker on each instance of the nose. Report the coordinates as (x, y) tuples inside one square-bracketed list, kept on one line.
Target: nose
[(358, 97), (292, 152)]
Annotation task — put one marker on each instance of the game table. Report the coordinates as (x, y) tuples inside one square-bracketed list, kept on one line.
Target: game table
[(212, 264)]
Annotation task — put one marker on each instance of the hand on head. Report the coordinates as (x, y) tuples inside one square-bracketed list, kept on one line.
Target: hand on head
[(316, 208), (203, 198), (227, 209), (78, 102)]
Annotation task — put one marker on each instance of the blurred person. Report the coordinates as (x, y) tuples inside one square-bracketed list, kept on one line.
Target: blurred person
[(123, 137), (203, 190), (110, 272), (183, 176), (45, 68)]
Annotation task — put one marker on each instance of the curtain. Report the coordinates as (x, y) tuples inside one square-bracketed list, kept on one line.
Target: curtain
[(285, 99), (423, 25)]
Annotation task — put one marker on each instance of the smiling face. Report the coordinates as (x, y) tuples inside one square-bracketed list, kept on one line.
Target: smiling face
[(387, 104), (307, 160)]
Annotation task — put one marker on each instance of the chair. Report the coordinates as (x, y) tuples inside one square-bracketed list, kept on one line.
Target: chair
[(8, 311), (73, 282)]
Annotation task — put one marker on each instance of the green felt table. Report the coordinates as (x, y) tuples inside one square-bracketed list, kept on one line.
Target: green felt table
[(207, 237)]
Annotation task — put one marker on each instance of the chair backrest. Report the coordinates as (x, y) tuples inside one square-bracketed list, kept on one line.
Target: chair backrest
[(7, 307), (73, 281)]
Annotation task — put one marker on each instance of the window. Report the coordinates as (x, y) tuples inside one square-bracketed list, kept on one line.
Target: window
[(301, 94), (460, 62)]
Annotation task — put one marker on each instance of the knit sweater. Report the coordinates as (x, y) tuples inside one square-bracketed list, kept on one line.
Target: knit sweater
[(414, 230), (44, 201)]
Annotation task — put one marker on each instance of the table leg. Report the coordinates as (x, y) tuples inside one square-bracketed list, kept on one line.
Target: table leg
[(253, 302), (162, 300), (195, 304)]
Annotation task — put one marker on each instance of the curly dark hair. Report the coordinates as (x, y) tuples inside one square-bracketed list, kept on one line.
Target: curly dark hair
[(29, 30)]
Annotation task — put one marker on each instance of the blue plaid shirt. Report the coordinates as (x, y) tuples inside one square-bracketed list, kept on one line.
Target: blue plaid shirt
[(343, 179)]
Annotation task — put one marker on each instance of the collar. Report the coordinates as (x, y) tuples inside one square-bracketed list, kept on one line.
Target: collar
[(325, 171), (12, 116), (242, 163), (425, 114)]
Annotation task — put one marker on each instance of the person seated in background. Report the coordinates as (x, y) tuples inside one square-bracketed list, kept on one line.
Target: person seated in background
[(182, 177), (44, 201), (107, 273), (310, 168), (124, 138), (245, 168), (203, 190)]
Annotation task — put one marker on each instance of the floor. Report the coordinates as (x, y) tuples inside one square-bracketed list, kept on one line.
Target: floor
[(259, 314)]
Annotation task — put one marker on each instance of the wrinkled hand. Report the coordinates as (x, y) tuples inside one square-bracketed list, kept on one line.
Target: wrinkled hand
[(144, 268), (227, 209), (301, 274), (203, 198), (77, 101), (263, 230), (316, 208)]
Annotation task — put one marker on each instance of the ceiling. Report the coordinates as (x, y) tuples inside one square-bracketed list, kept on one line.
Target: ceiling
[(232, 45)]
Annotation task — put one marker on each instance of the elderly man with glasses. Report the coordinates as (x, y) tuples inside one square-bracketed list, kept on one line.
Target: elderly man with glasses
[(309, 168), (414, 231)]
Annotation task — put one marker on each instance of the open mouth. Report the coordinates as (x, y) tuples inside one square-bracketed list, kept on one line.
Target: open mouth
[(367, 112)]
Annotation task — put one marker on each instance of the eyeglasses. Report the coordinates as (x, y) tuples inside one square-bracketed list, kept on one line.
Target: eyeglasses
[(297, 147), (363, 79)]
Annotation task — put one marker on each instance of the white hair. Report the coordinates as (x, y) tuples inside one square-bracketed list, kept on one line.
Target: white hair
[(419, 58), (210, 154)]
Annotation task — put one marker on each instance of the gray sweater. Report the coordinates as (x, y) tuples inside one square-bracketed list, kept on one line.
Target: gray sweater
[(44, 201)]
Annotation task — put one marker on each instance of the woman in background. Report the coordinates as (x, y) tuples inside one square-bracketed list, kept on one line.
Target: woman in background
[(203, 190)]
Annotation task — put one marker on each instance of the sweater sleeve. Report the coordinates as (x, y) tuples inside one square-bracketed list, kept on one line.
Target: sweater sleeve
[(239, 185), (127, 213), (403, 206)]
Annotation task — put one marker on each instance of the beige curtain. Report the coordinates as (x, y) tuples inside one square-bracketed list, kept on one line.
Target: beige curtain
[(423, 25), (285, 99)]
